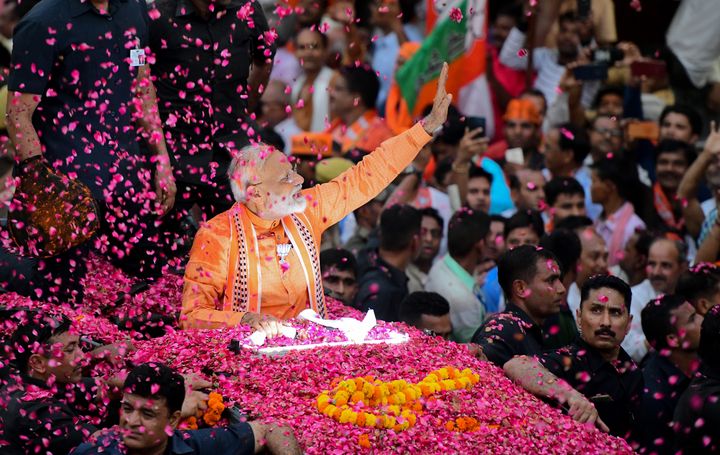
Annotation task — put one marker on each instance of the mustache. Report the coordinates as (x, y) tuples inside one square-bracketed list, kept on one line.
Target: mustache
[(657, 278), (605, 332)]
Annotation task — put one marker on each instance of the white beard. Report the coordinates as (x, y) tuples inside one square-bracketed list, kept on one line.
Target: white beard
[(284, 208)]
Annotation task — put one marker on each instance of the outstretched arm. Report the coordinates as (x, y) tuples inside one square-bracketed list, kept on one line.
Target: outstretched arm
[(332, 201), (536, 379), (687, 191)]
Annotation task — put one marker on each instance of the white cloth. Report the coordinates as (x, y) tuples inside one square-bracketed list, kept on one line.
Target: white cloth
[(285, 67), (287, 129), (466, 311), (694, 38), (573, 299), (634, 343), (320, 98)]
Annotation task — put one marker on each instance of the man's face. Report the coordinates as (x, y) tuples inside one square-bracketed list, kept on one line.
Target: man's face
[(478, 194), (144, 421), (495, 243), (273, 104), (677, 126), (520, 133), (664, 266), (430, 237), (606, 137), (341, 100), (501, 29), (439, 325), (604, 319), (64, 358), (593, 257), (600, 189), (310, 51), (670, 168), (545, 293), (310, 11), (610, 104), (554, 156), (568, 40), (521, 236), (278, 192), (340, 284), (631, 258), (687, 325), (568, 205), (532, 190)]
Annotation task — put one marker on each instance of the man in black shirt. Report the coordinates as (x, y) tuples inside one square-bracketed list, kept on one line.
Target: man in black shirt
[(211, 61), (530, 280), (48, 407), (151, 410), (697, 415), (672, 327), (595, 365), (79, 94), (383, 285)]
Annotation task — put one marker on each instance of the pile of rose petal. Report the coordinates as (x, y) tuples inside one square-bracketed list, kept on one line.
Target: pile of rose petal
[(284, 388)]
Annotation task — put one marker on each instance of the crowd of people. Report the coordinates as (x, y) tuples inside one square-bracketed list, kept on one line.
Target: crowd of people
[(570, 233)]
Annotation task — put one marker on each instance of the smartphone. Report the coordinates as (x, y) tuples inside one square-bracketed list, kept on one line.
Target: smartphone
[(583, 9), (607, 55), (643, 130), (654, 69), (474, 123), (594, 72)]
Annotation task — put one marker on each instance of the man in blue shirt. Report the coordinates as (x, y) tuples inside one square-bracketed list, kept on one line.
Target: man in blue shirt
[(152, 403)]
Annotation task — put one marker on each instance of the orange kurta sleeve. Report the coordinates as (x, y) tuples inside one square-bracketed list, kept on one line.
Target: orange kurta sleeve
[(331, 202), (206, 276)]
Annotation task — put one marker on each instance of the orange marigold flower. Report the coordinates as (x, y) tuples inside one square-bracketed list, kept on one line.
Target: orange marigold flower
[(364, 441)]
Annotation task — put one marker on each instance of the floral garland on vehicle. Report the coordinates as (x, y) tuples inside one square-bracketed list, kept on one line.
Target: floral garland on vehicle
[(356, 400)]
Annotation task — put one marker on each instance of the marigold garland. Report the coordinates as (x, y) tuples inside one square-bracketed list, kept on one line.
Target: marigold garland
[(353, 400), (211, 416)]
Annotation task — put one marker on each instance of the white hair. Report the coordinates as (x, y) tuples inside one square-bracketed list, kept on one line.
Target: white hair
[(245, 168)]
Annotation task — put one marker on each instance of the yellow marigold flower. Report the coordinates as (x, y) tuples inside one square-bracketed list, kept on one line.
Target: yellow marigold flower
[(448, 384), (432, 377), (394, 409), (368, 389), (329, 410), (370, 420), (443, 373), (390, 422), (346, 415)]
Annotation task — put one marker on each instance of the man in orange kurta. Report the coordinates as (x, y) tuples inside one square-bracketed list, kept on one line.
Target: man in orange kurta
[(257, 263)]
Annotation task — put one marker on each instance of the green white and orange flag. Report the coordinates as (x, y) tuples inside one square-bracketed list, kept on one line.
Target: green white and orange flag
[(457, 35)]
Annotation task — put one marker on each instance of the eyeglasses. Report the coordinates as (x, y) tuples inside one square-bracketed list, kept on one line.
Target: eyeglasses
[(334, 279), (614, 132)]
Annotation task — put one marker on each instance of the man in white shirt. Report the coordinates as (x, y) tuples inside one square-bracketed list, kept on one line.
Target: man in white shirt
[(666, 262), (548, 63)]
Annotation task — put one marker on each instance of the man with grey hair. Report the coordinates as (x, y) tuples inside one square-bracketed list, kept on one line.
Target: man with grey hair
[(257, 263)]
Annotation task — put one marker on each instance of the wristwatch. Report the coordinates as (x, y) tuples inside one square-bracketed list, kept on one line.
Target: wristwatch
[(411, 169)]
